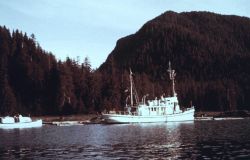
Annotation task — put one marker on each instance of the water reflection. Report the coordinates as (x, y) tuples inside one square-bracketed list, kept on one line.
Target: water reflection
[(149, 139), (191, 140)]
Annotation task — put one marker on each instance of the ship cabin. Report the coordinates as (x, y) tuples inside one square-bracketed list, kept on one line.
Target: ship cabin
[(158, 107)]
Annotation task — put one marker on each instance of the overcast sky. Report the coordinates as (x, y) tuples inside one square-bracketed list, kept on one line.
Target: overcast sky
[(90, 28)]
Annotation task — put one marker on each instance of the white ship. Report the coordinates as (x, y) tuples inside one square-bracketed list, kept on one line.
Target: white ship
[(165, 109), (19, 122)]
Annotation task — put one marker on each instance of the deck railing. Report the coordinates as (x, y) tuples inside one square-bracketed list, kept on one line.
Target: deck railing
[(122, 113)]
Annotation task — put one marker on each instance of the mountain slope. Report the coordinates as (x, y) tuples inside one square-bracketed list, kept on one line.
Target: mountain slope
[(210, 52)]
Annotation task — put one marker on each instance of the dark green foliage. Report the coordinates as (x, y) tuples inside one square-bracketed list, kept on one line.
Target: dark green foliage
[(32, 81), (7, 98)]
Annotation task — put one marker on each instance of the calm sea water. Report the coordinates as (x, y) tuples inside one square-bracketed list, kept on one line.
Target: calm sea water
[(193, 140)]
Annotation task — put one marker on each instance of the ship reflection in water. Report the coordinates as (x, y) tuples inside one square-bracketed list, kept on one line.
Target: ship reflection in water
[(190, 140)]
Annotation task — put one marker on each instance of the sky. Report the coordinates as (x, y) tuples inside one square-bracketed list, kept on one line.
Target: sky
[(91, 28)]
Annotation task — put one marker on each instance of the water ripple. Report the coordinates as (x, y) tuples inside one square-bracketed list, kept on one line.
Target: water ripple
[(198, 140)]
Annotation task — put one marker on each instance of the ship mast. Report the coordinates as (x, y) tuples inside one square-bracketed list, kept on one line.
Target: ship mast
[(172, 75), (131, 88)]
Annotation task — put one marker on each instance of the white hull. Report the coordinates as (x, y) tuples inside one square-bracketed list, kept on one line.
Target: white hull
[(37, 123), (118, 118), (183, 116)]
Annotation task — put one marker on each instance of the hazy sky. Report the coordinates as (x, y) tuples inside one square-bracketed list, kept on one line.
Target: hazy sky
[(90, 28)]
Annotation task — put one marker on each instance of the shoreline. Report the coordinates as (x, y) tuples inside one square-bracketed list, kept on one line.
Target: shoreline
[(217, 114), (70, 119), (82, 119)]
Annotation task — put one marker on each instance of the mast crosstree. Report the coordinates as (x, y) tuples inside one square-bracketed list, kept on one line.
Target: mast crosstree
[(172, 75)]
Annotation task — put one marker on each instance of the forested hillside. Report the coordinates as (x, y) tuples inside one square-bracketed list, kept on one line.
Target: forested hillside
[(210, 53), (33, 82)]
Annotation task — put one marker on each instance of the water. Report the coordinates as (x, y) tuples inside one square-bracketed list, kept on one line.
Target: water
[(193, 140)]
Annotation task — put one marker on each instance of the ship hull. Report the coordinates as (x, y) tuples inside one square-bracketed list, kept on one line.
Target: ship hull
[(117, 118), (183, 116), (37, 123)]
